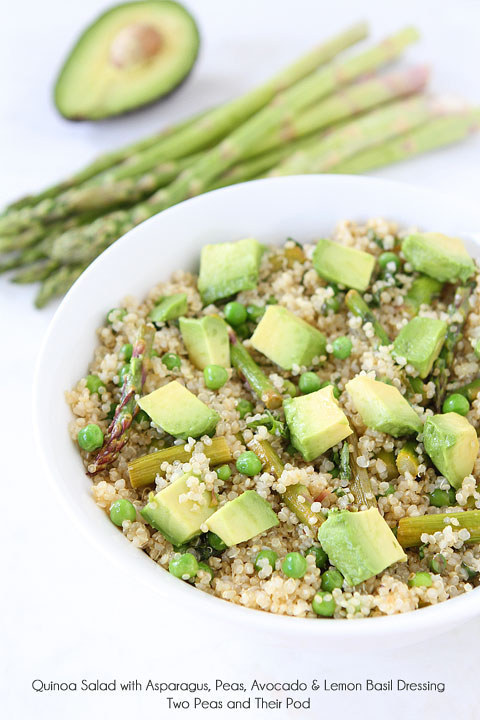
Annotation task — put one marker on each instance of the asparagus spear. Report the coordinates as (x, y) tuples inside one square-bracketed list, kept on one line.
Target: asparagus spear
[(370, 129), (442, 365), (223, 120), (352, 101), (57, 284), (85, 244), (105, 162), (357, 305), (291, 497), (243, 362), (435, 133), (345, 469), (411, 529), (422, 292), (361, 485), (36, 272), (143, 470), (92, 198), (127, 408)]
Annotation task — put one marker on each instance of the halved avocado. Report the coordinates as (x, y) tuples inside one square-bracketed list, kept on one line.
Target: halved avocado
[(131, 55)]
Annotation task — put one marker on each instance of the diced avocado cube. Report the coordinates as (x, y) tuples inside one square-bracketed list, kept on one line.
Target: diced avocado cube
[(420, 342), (228, 268), (169, 308), (286, 339), (383, 407), (452, 444), (360, 544), (206, 340), (440, 256), (343, 265), (178, 521), (179, 412), (316, 422), (243, 518)]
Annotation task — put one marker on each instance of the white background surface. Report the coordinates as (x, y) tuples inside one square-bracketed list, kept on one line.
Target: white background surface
[(65, 613)]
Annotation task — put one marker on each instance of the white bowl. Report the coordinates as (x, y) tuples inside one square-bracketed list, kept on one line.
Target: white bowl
[(303, 207)]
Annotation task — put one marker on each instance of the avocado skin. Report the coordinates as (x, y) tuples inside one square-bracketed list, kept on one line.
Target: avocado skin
[(84, 38)]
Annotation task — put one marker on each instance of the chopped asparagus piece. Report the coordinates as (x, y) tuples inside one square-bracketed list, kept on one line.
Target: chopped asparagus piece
[(421, 292), (388, 457), (470, 390), (361, 485), (357, 305), (243, 362), (411, 529), (143, 470)]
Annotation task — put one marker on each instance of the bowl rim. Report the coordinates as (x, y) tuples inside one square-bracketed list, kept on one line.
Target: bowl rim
[(465, 606)]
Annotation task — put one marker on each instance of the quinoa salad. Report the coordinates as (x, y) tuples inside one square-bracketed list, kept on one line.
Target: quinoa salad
[(294, 429)]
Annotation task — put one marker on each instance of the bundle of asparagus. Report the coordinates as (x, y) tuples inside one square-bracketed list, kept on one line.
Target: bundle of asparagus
[(320, 114)]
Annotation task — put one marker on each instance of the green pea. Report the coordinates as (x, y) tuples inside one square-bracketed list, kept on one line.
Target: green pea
[(331, 303), (438, 563), (121, 510), (336, 391), (254, 312), (386, 258), (342, 347), (289, 388), (142, 416), (270, 555), (184, 566), (94, 384), (476, 349), (206, 568), (420, 579), (126, 351), (216, 542), (171, 361), (321, 557), (309, 382), (442, 498), (323, 604), (235, 313), (331, 579), (115, 315), (244, 407), (90, 437), (223, 472), (248, 463), (456, 403), (215, 376), (124, 370), (294, 565)]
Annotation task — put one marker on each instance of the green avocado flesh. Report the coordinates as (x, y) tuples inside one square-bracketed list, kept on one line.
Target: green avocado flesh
[(360, 544), (177, 521), (316, 422), (241, 519), (343, 265), (169, 308), (179, 412), (452, 444), (383, 407), (439, 256), (228, 268), (131, 55), (420, 342), (206, 340), (286, 339)]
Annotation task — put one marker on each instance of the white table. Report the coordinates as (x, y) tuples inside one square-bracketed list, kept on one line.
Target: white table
[(66, 614)]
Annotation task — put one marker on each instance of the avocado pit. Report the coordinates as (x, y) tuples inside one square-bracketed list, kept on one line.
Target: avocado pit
[(135, 44)]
